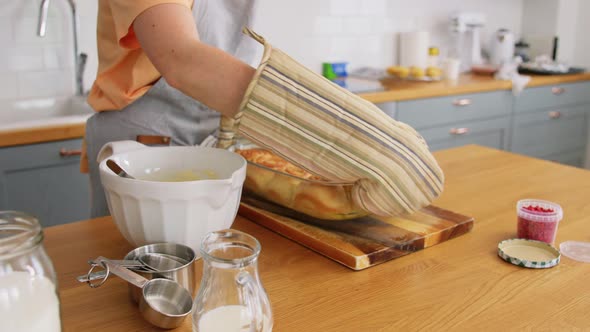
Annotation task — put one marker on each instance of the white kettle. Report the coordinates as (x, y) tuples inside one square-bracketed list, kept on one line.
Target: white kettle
[(502, 47)]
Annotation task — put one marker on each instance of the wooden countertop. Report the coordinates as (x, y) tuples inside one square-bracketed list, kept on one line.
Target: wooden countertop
[(397, 90), (460, 284), (40, 134)]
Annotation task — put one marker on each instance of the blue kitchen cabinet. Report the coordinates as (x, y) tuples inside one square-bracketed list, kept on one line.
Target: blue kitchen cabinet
[(573, 158), (492, 133), (449, 110), (554, 96), (551, 132), (389, 108), (44, 180), (551, 122), (548, 122), (452, 121)]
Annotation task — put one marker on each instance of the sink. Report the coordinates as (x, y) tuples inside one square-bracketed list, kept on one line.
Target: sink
[(40, 112)]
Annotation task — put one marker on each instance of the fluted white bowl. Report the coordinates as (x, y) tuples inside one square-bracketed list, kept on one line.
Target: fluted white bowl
[(180, 212)]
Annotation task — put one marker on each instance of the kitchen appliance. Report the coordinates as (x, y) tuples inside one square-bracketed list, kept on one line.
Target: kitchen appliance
[(502, 47), (522, 49), (465, 33), (153, 208), (362, 242), (543, 46)]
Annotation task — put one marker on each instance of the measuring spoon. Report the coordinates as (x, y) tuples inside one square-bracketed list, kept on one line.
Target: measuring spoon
[(159, 262), (132, 264), (148, 262)]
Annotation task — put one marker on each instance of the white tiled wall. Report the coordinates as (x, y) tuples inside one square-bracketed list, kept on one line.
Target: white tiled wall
[(35, 67), (362, 32), (31, 66)]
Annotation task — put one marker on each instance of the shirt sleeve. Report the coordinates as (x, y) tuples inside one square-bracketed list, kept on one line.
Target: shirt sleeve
[(126, 11)]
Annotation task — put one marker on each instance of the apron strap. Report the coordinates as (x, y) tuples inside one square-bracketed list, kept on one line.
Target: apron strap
[(247, 31), (153, 139)]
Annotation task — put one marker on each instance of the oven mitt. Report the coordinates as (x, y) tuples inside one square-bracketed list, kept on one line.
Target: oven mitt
[(333, 133)]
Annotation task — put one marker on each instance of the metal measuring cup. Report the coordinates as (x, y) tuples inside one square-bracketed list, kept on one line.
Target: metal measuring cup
[(163, 303), (184, 275)]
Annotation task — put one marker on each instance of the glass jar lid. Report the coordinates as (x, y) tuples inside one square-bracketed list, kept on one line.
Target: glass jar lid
[(19, 232)]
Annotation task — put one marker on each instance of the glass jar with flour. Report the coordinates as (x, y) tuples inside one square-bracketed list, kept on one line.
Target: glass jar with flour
[(28, 284)]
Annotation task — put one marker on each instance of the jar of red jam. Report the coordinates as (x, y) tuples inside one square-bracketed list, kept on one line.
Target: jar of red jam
[(538, 219)]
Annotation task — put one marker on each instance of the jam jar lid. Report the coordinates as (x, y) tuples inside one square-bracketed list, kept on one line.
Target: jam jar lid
[(529, 253), (547, 212)]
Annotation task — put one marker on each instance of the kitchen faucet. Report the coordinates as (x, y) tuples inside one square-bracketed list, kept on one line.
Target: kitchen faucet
[(79, 59)]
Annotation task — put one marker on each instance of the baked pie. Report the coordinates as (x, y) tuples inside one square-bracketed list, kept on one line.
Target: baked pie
[(277, 180)]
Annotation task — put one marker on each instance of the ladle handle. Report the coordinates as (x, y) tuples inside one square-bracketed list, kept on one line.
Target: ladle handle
[(122, 272)]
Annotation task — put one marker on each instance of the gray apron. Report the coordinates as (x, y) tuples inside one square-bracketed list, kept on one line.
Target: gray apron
[(165, 111)]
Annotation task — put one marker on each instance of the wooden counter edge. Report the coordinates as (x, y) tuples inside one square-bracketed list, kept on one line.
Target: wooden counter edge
[(59, 132), (436, 90), (22, 136)]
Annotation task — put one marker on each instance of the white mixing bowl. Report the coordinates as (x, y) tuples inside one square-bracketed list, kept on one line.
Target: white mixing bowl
[(147, 211)]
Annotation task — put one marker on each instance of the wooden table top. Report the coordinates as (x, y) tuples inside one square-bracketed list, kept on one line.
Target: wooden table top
[(460, 284)]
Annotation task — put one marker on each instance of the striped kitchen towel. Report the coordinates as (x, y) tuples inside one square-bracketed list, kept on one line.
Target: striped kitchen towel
[(335, 134)]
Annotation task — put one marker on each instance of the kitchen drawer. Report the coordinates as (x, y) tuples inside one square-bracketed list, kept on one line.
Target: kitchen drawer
[(573, 158), (40, 155), (551, 96), (542, 134), (39, 180), (388, 108), (432, 112), (492, 133)]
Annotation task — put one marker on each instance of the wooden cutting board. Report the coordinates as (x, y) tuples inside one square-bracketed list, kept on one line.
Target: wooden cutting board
[(363, 242)]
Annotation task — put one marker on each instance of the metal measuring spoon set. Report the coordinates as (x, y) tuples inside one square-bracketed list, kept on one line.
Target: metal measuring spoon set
[(161, 280)]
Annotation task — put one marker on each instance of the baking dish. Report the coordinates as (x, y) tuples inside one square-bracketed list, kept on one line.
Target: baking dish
[(312, 196)]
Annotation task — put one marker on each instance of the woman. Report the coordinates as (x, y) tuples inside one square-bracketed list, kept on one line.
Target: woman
[(155, 63)]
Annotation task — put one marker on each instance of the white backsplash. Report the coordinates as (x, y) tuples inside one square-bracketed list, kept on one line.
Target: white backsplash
[(362, 32), (32, 67)]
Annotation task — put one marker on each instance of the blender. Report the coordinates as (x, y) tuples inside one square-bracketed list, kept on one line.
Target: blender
[(466, 45)]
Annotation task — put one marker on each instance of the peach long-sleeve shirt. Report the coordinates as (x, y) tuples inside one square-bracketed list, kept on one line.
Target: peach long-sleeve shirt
[(124, 71)]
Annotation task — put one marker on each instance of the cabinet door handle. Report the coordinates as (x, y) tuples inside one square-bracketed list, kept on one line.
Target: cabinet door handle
[(557, 90), (462, 102), (459, 131), (63, 152), (554, 115)]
